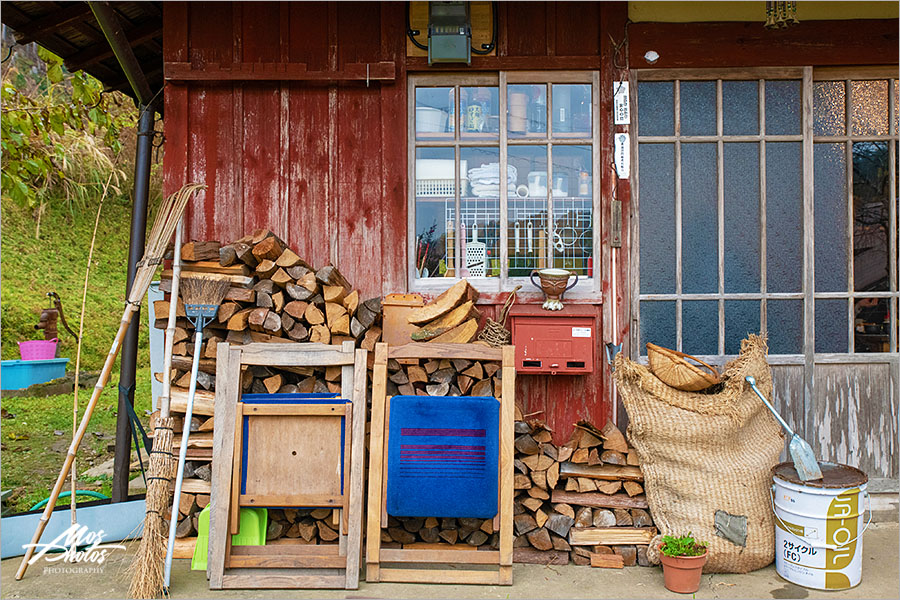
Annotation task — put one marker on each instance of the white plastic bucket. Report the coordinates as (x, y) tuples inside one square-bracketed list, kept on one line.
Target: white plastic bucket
[(819, 526)]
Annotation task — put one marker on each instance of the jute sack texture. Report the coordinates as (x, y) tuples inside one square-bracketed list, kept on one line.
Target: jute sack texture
[(703, 453)]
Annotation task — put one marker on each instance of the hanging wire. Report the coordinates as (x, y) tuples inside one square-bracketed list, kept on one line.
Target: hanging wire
[(8, 53)]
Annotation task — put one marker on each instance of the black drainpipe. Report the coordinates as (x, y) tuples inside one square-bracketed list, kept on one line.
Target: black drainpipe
[(114, 32), (128, 367)]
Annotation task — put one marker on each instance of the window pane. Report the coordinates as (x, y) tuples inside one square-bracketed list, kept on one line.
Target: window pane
[(479, 111), (869, 111), (785, 326), (741, 181), (783, 107), (527, 109), (658, 324), (830, 107), (784, 217), (871, 216), (740, 107), (572, 211), (657, 218), (572, 110), (831, 326), (479, 222), (435, 188), (872, 325), (528, 210), (700, 327), (435, 107), (831, 218), (698, 108), (700, 225), (741, 319), (656, 108)]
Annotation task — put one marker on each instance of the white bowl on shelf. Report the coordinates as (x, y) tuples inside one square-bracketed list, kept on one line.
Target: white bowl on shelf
[(430, 120)]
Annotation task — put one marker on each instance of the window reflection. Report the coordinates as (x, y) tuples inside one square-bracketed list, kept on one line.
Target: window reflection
[(871, 215), (872, 324)]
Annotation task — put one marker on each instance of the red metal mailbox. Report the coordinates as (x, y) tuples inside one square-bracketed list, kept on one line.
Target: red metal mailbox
[(554, 342)]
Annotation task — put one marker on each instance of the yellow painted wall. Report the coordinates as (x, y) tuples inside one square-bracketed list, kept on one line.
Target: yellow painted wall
[(807, 10)]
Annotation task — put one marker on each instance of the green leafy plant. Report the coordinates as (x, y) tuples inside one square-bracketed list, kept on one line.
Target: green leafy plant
[(60, 135), (685, 545)]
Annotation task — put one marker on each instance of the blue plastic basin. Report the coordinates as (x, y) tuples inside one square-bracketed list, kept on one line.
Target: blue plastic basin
[(19, 374)]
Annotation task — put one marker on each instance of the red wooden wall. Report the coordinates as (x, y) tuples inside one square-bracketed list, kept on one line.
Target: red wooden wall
[(324, 166)]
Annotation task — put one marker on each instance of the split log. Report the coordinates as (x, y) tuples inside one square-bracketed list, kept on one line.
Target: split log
[(196, 251)]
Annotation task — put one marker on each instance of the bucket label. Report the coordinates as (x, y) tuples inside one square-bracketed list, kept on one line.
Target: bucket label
[(842, 526), (797, 530)]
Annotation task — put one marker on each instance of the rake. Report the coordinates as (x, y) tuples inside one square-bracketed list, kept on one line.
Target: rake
[(166, 219), (202, 296)]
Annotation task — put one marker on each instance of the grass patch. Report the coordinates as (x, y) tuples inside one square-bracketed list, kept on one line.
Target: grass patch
[(31, 454)]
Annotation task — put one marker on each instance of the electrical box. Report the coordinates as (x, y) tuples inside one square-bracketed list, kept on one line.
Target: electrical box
[(554, 342)]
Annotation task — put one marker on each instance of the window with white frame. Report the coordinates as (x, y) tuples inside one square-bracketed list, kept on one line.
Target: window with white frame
[(502, 178), (757, 215)]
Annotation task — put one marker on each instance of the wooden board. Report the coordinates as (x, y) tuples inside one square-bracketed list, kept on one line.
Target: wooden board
[(598, 500), (610, 536)]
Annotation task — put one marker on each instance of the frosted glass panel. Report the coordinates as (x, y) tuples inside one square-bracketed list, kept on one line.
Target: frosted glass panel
[(869, 113), (741, 319), (699, 240), (784, 217), (698, 108), (831, 217), (831, 326), (656, 108), (785, 324), (658, 324), (657, 218), (783, 107), (829, 114), (740, 107), (700, 327), (742, 244)]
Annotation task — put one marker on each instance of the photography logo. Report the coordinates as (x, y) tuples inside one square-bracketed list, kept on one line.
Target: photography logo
[(64, 551)]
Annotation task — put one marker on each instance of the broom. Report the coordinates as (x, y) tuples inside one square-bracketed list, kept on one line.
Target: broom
[(202, 296), (146, 579), (166, 218)]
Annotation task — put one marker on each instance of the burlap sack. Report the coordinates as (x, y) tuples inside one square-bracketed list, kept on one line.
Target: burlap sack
[(706, 458)]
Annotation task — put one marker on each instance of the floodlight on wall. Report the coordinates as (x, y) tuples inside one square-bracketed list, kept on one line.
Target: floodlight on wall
[(449, 33)]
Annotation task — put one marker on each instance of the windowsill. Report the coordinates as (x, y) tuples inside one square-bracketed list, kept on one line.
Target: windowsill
[(583, 291)]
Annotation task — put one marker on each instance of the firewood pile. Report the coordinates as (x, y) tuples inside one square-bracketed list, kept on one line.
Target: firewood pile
[(275, 296), (450, 318), (583, 500)]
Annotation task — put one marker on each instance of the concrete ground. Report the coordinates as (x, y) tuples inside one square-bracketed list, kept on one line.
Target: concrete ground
[(880, 579)]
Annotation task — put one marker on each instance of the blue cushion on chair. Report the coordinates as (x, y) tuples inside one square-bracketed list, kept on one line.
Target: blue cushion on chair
[(443, 455)]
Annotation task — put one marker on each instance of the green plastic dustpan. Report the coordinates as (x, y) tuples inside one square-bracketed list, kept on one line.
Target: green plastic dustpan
[(254, 522)]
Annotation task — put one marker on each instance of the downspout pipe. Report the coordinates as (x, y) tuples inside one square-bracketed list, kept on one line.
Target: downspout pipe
[(115, 35)]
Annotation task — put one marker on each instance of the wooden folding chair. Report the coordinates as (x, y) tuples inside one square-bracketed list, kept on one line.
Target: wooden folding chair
[(276, 452), (439, 566)]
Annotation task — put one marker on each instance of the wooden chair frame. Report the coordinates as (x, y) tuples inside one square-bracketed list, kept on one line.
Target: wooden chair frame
[(285, 565), (380, 563)]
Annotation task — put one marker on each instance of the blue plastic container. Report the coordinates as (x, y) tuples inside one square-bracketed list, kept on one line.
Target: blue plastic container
[(19, 374)]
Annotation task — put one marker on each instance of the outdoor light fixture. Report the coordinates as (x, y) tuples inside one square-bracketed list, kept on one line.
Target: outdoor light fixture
[(651, 56), (449, 33), (780, 15)]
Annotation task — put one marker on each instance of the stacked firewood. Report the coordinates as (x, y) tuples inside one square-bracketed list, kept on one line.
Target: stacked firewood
[(583, 499), (443, 377), (275, 296), (450, 318)]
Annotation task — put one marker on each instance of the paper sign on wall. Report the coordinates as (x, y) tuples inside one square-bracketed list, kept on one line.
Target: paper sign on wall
[(621, 106), (581, 332), (623, 155)]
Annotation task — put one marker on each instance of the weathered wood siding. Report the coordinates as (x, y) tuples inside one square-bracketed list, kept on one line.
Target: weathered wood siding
[(324, 166)]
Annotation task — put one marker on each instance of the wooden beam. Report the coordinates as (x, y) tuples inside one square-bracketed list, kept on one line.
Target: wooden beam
[(598, 500), (57, 18), (114, 31), (279, 71), (101, 50)]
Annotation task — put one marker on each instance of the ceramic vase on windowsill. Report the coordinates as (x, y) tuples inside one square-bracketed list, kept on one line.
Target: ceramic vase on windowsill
[(553, 284)]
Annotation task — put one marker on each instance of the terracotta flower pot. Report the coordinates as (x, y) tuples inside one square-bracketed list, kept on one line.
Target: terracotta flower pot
[(682, 573)]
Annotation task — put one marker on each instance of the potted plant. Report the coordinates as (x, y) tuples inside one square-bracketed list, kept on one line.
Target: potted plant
[(682, 560)]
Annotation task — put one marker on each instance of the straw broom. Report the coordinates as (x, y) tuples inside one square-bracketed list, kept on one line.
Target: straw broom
[(146, 568), (167, 217)]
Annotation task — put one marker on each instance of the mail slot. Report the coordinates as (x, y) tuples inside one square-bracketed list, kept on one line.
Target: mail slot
[(554, 342)]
